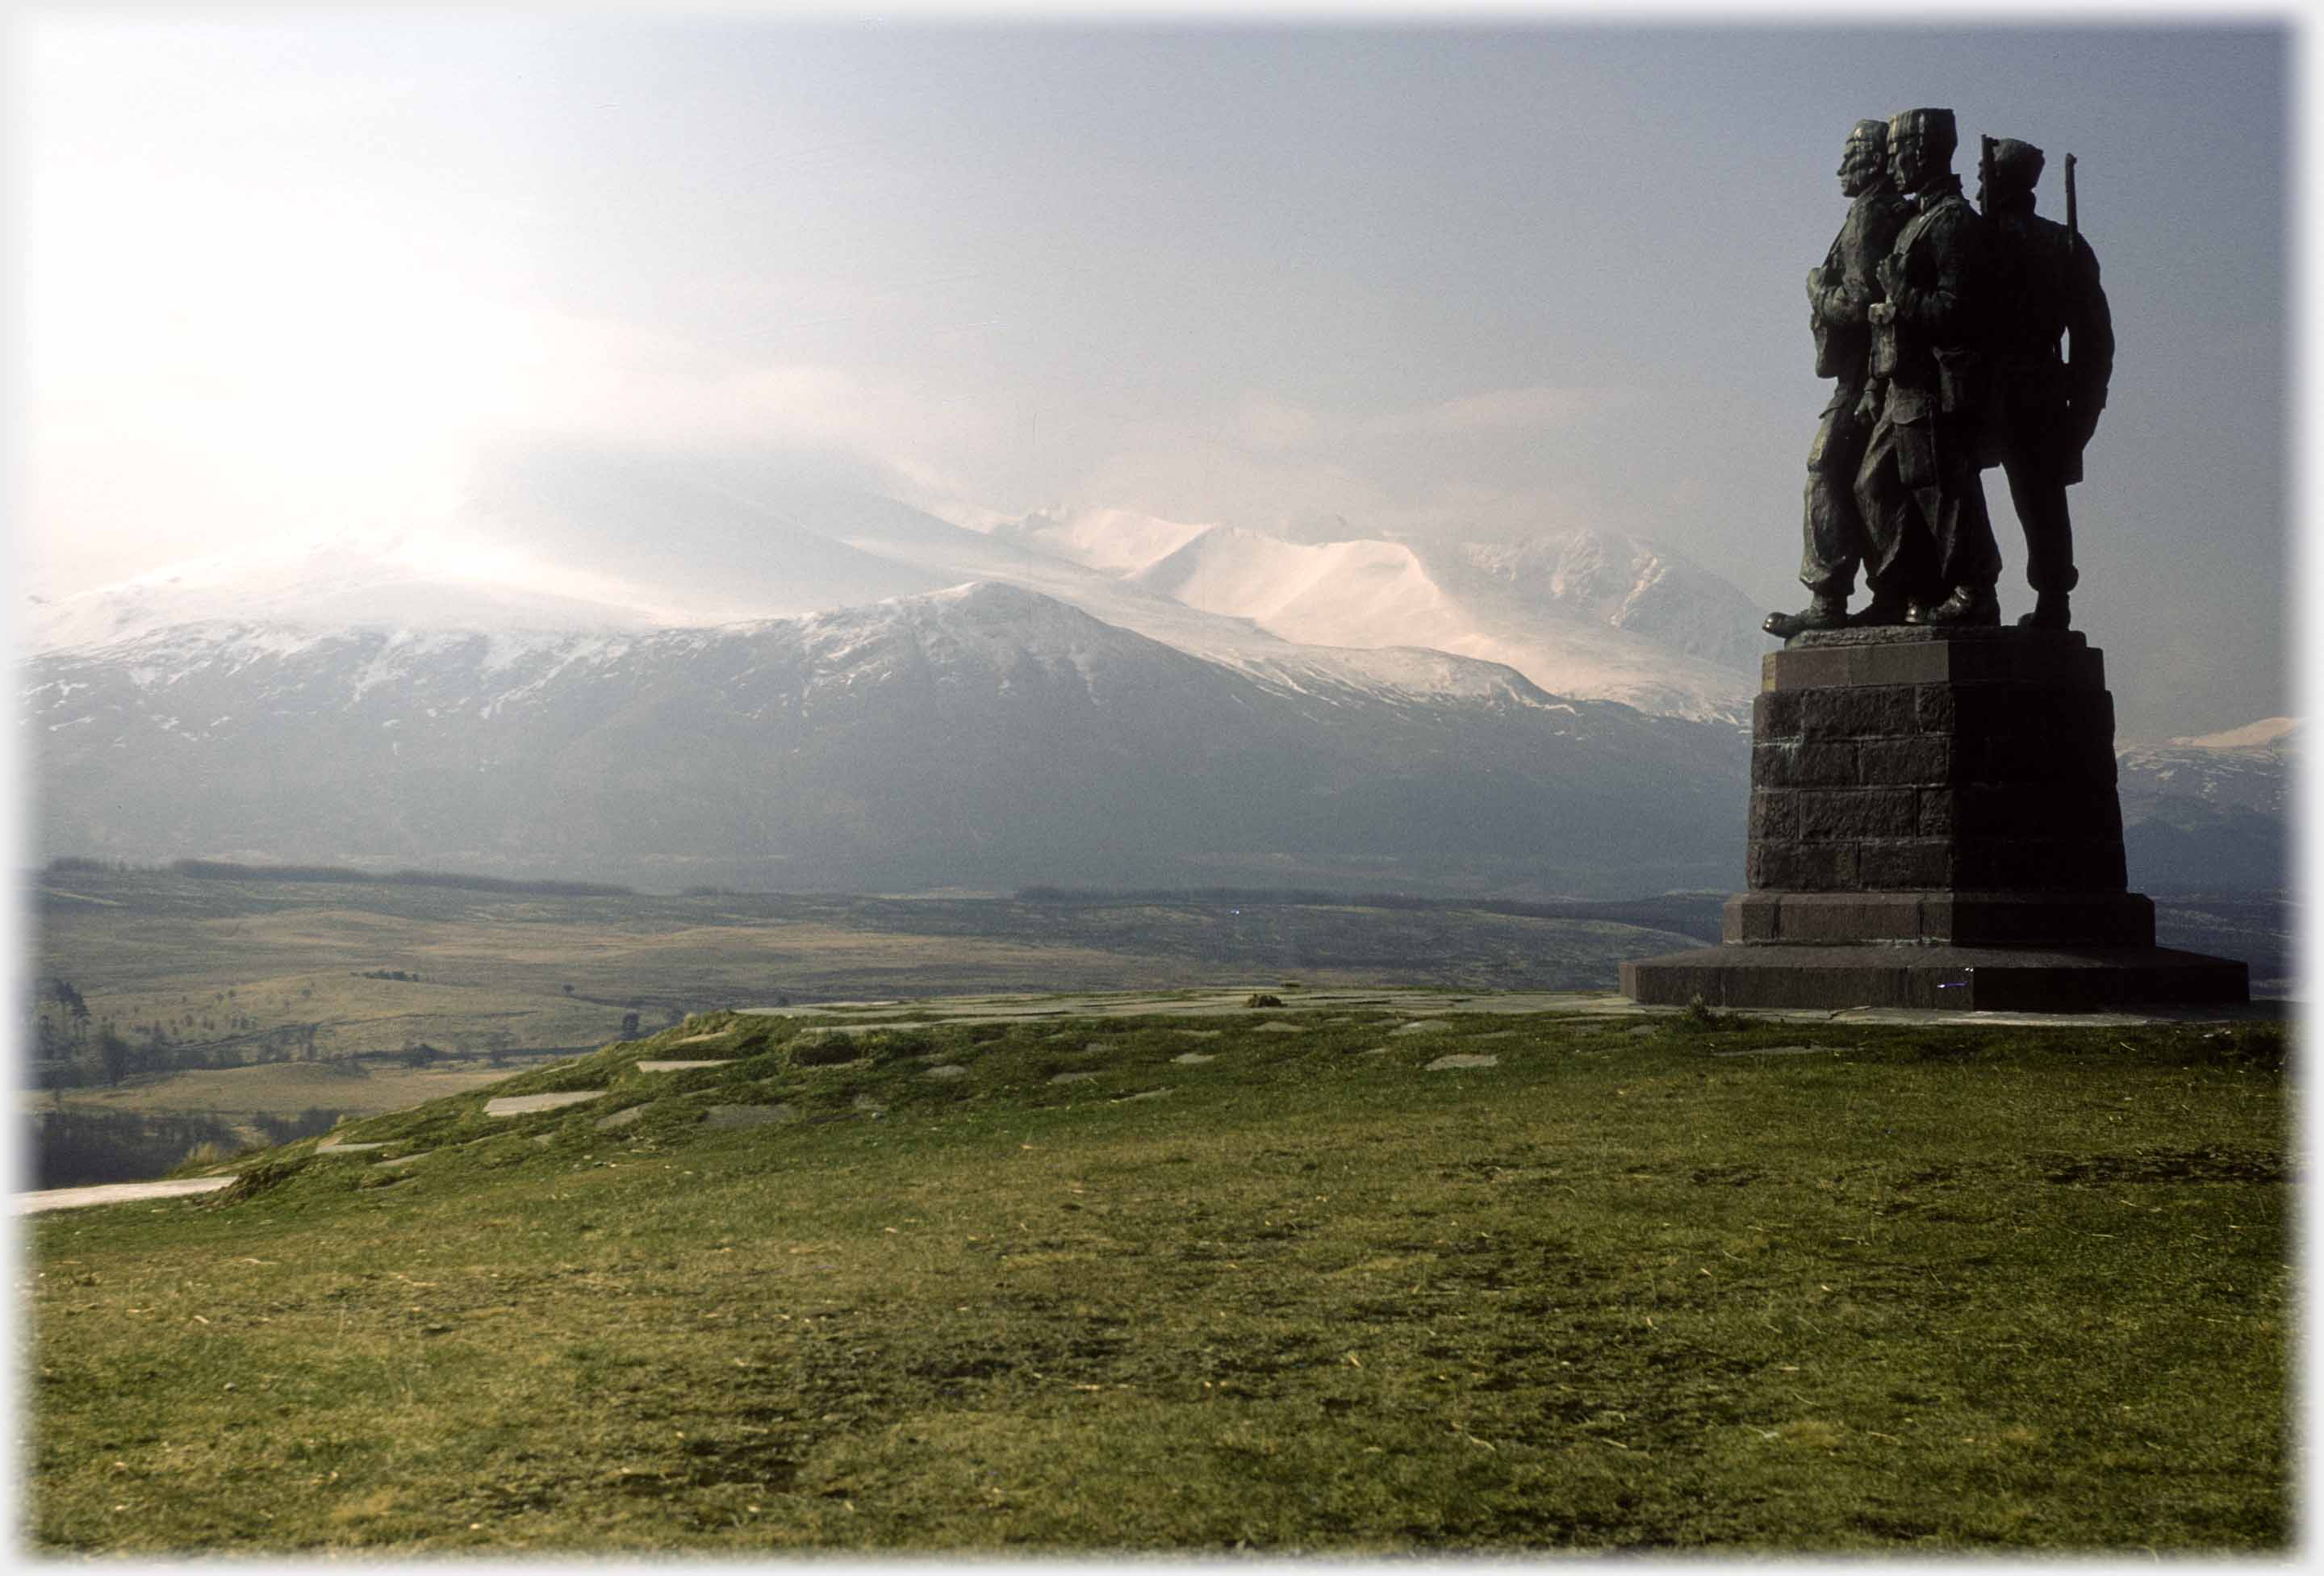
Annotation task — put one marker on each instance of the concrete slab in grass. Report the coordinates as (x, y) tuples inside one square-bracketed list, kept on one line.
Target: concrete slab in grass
[(1444, 1063), (519, 1104), (1195, 1059), (747, 1116), (621, 1119), (1273, 1026), (945, 1071), (682, 1066), (1422, 1026), (332, 1146), (1072, 1077)]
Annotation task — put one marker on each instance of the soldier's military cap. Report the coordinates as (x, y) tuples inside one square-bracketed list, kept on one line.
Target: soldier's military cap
[(1870, 131), (1936, 124), (2016, 163)]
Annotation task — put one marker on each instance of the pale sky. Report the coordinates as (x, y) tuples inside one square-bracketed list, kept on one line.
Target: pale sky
[(299, 273)]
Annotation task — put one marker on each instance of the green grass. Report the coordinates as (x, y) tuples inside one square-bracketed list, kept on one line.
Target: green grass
[(1920, 1290)]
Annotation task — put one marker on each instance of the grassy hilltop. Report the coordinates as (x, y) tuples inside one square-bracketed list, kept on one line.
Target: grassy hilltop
[(1067, 1284)]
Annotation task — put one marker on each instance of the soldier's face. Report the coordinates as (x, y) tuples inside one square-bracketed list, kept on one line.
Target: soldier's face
[(1913, 156), (1907, 157), (1861, 164)]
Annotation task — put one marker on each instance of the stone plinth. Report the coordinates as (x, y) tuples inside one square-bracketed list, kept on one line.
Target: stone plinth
[(1933, 823)]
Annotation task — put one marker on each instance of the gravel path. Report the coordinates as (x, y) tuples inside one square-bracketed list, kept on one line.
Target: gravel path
[(116, 1192)]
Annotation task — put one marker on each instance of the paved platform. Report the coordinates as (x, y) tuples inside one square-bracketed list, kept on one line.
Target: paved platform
[(2062, 980), (1233, 1001)]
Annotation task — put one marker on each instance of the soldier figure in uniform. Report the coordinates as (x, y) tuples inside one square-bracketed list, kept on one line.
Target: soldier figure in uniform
[(2049, 285), (1838, 292), (1930, 554)]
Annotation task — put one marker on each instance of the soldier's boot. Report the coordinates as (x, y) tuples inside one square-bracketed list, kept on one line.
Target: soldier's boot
[(1968, 605), (2050, 613), (1825, 610), (1886, 608)]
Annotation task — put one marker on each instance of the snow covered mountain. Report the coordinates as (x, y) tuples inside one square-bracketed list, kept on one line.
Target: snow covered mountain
[(722, 673), (1583, 612), (411, 581), (1560, 609), (1118, 541), (671, 547), (2212, 813), (984, 735), (2245, 767), (1606, 577)]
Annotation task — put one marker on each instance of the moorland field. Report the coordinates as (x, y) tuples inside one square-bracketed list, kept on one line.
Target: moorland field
[(1331, 1278)]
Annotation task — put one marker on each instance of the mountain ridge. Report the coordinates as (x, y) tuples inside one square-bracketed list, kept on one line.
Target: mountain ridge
[(871, 748)]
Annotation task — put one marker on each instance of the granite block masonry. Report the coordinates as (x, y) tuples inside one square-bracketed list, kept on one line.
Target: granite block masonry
[(1933, 823)]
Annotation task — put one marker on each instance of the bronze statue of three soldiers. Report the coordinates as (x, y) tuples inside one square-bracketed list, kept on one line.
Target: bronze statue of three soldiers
[(1939, 326)]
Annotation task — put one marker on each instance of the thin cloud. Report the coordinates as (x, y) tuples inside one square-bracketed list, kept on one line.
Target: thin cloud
[(1498, 411), (1267, 423)]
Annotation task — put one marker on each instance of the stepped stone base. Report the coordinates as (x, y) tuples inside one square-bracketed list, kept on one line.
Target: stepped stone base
[(1933, 823), (1964, 919), (1955, 979)]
